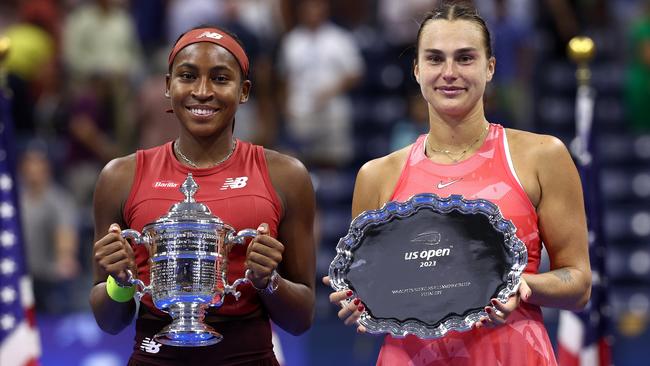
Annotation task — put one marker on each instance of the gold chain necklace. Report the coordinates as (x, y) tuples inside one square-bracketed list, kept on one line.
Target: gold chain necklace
[(178, 152), (461, 154)]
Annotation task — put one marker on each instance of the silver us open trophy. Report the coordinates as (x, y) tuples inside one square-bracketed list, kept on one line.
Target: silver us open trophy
[(188, 250)]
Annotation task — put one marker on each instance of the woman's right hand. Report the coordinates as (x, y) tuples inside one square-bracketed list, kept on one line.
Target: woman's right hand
[(351, 308), (113, 255)]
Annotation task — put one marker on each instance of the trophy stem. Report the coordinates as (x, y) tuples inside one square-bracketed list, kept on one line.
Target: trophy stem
[(187, 328)]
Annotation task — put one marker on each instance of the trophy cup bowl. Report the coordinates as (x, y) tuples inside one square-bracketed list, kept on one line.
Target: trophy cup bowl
[(188, 257)]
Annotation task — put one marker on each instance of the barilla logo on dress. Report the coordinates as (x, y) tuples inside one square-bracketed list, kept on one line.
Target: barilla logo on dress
[(165, 184), (150, 346), (234, 183), (213, 35)]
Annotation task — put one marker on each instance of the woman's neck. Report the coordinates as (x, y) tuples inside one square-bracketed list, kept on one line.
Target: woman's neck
[(455, 133), (204, 152)]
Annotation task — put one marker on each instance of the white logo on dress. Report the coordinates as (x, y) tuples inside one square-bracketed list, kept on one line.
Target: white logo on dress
[(234, 183), (150, 346), (445, 185), (213, 35), (165, 184)]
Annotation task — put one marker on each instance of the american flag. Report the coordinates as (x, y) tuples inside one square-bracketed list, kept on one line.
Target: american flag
[(583, 338), (19, 342)]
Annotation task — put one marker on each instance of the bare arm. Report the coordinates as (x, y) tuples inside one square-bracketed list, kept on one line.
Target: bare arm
[(292, 305), (112, 255), (374, 186), (552, 183), (563, 229)]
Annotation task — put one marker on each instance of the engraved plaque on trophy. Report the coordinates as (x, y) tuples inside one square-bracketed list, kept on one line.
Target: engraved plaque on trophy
[(429, 265)]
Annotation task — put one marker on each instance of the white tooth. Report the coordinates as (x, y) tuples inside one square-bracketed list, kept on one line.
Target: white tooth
[(201, 111)]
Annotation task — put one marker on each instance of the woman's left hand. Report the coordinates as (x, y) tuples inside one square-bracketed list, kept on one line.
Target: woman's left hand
[(263, 256), (498, 317)]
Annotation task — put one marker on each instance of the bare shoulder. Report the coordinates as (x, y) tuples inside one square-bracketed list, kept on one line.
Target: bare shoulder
[(534, 145), (118, 171), (111, 192), (377, 179), (115, 181), (284, 166), (290, 179), (385, 167)]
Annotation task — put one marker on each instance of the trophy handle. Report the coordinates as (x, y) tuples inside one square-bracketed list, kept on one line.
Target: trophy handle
[(238, 239), (134, 281), (241, 236), (137, 239)]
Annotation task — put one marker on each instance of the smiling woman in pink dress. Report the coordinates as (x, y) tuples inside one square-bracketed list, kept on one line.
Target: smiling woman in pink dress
[(530, 177)]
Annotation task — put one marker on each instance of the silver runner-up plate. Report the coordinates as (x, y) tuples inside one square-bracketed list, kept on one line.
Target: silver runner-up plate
[(429, 265)]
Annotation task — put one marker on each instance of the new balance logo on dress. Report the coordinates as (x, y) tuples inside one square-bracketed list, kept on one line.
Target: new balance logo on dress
[(234, 183), (150, 346), (213, 35)]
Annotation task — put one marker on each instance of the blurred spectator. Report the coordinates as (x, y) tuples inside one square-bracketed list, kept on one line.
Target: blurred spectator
[(91, 140), (256, 119), (407, 130), (155, 125), (51, 240), (320, 62), (262, 17), (150, 17), (187, 14), (44, 14), (398, 23), (100, 42), (637, 84), (51, 109), (558, 22), (99, 37), (31, 49), (399, 20), (520, 12), (508, 100)]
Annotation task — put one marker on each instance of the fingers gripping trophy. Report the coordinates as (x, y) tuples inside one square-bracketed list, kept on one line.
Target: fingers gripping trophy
[(188, 250)]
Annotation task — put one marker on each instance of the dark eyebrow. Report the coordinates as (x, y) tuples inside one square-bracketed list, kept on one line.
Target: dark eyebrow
[(186, 64), (466, 50), (458, 51)]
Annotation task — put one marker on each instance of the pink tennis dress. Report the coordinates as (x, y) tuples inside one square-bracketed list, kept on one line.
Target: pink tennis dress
[(488, 174)]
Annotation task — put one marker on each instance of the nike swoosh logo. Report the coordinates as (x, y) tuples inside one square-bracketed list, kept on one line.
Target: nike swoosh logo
[(445, 185)]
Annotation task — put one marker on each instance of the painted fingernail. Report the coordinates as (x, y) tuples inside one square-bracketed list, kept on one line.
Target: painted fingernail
[(349, 293), (361, 308), (494, 302), (488, 310), (356, 301)]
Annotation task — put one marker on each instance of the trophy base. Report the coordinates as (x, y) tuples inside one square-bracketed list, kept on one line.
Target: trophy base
[(172, 336), (187, 328)]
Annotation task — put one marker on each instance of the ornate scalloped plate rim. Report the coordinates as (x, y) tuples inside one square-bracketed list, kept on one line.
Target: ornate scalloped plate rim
[(344, 257)]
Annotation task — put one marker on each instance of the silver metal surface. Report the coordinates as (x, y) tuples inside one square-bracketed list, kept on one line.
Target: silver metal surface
[(345, 251), (188, 249)]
